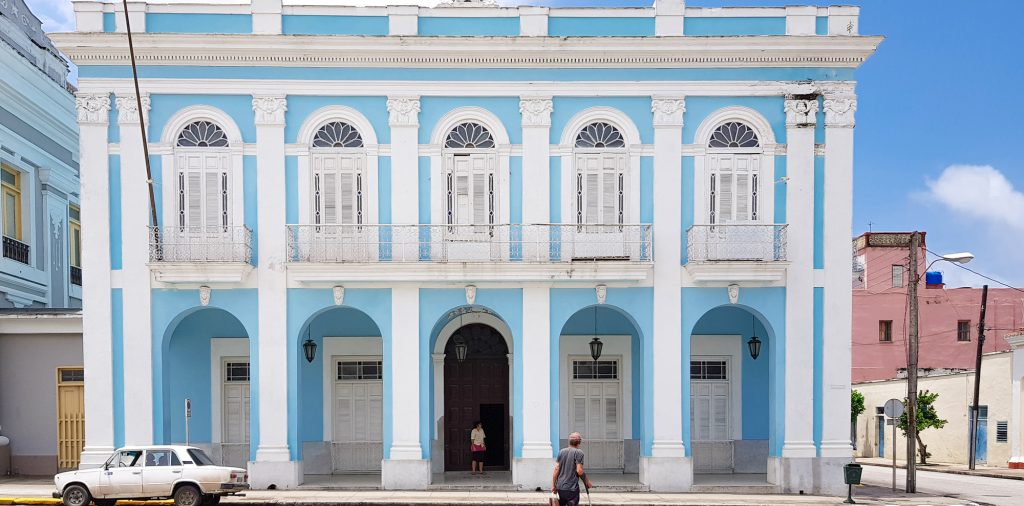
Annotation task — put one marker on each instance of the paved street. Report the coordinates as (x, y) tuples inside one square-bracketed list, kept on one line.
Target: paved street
[(978, 489)]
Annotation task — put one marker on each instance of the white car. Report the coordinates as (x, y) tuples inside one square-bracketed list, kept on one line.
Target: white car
[(184, 473)]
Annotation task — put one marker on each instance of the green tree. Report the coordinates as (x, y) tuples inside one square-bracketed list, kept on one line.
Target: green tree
[(927, 418), (856, 404)]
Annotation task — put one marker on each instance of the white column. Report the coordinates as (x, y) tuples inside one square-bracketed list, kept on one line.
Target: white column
[(668, 17), (668, 447), (536, 113), (534, 469), (405, 467), (800, 121), (136, 14), (266, 16), (272, 465), (838, 310), (97, 327), (135, 218), (404, 115), (403, 19), (801, 19), (533, 21), (1016, 341)]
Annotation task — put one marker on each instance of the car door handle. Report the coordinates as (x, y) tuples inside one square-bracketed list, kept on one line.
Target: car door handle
[(136, 472), (177, 472)]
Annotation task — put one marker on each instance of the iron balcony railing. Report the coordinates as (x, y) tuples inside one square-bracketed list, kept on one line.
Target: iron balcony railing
[(76, 275), (16, 250), (736, 242), (470, 243), (200, 244)]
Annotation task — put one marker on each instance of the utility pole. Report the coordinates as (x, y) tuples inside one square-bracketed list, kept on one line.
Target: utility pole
[(912, 344), (977, 380)]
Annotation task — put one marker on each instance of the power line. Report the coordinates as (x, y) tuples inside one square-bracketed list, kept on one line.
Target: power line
[(968, 269)]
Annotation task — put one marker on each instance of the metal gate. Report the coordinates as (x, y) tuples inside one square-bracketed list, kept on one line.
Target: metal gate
[(70, 416)]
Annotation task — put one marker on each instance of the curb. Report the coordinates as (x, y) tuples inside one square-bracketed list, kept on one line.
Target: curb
[(45, 501), (964, 472)]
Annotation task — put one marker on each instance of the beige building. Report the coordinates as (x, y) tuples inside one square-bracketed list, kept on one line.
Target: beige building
[(956, 389)]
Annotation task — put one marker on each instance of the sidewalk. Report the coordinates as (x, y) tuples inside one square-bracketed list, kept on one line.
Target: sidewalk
[(990, 472)]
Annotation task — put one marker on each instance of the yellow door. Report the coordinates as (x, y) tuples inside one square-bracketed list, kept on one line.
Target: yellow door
[(70, 416)]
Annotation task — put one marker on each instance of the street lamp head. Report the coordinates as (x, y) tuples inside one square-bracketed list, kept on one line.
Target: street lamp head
[(959, 258)]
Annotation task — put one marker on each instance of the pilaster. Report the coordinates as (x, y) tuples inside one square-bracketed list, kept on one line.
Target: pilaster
[(403, 19), (801, 19), (533, 21), (136, 15), (404, 120), (266, 16), (838, 311), (668, 17), (801, 115), (138, 383), (97, 327), (667, 341), (536, 113), (88, 15), (404, 467)]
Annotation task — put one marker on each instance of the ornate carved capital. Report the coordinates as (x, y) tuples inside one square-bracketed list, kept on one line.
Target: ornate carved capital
[(801, 112), (839, 112), (128, 108), (93, 108), (536, 111), (269, 109), (668, 112), (404, 111)]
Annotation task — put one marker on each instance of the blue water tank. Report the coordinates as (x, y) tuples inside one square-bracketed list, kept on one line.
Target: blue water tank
[(933, 278)]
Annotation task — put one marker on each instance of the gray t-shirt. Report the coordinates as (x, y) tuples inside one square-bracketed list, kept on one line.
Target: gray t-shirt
[(567, 460)]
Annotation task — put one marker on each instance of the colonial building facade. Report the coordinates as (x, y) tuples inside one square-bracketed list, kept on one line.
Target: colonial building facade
[(377, 225)]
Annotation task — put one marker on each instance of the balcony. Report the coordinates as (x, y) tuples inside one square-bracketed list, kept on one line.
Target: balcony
[(200, 254), (16, 250), (485, 252), (736, 252), (76, 275)]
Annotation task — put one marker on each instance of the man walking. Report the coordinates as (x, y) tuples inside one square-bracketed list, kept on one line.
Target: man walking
[(568, 471)]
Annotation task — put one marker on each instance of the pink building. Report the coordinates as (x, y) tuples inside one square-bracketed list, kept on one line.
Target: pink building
[(948, 316)]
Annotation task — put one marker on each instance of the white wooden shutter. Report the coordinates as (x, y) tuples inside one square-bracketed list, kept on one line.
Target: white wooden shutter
[(194, 197), (342, 413)]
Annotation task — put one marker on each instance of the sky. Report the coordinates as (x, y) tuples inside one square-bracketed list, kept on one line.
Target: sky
[(927, 156)]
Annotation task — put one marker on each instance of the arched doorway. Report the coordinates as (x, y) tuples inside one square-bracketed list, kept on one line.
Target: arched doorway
[(476, 389)]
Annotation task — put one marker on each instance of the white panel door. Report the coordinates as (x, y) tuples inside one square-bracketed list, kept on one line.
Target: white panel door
[(358, 425), (599, 201), (711, 417), (596, 414), (339, 204), (235, 414), (471, 206)]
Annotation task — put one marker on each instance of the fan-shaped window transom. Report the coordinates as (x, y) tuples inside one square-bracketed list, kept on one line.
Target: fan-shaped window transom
[(600, 135), (469, 136), (202, 134), (337, 134), (734, 135)]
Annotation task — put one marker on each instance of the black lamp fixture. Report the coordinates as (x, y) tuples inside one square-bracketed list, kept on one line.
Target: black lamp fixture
[(754, 344), (461, 348), (595, 344), (309, 347)]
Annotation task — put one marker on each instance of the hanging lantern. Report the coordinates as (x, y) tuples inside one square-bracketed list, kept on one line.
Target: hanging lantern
[(595, 348), (754, 344), (309, 349), (461, 349)]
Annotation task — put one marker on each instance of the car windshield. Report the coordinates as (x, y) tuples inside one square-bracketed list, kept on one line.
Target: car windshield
[(200, 458)]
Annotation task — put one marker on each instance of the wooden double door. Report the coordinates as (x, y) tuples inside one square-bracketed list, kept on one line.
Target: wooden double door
[(476, 389)]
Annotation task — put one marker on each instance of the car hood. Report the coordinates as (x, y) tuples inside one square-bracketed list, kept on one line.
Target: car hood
[(79, 473)]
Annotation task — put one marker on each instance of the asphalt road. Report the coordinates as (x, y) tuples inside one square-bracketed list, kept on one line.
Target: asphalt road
[(977, 489)]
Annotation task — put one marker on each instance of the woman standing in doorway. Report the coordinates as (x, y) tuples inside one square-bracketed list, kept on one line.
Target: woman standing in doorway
[(477, 447)]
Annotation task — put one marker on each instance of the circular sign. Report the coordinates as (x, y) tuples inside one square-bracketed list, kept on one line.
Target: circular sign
[(893, 408)]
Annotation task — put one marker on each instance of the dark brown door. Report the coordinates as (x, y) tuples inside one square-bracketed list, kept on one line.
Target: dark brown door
[(476, 390)]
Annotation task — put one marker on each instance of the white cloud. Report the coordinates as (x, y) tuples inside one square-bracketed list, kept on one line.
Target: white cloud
[(56, 15), (981, 192)]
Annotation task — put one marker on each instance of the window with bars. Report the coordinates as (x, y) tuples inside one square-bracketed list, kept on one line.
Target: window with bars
[(897, 276), (360, 370), (709, 370), (236, 371), (11, 189), (885, 331), (471, 189), (963, 330), (74, 236), (71, 375), (338, 161), (734, 163), (601, 162), (1002, 431), (590, 370)]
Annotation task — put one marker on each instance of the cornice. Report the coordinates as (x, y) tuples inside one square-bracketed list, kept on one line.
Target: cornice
[(398, 51)]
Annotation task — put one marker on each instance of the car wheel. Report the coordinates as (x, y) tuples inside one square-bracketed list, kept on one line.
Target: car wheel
[(76, 495), (188, 495), (105, 502), (211, 500)]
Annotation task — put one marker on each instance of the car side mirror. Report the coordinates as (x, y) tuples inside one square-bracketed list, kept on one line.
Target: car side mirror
[(106, 466)]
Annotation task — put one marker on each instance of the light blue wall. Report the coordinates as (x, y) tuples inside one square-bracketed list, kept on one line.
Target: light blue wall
[(647, 190), (821, 25), (734, 26), (156, 166), (780, 190), (114, 176), (819, 340), (424, 189), (508, 26), (505, 108), (435, 303), (333, 25), (181, 367), (165, 22), (515, 189), (636, 305), (769, 306), (249, 184), (239, 107), (699, 108), (113, 126), (117, 362), (687, 205), (373, 108), (600, 27), (291, 188), (109, 22), (819, 212), (303, 306), (638, 109), (473, 74), (555, 196)]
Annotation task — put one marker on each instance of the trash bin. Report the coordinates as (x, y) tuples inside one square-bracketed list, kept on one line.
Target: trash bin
[(852, 472)]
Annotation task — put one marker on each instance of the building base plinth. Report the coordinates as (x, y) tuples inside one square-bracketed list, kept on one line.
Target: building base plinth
[(405, 474), (1016, 463), (530, 473), (666, 474), (94, 456), (808, 475), (279, 475)]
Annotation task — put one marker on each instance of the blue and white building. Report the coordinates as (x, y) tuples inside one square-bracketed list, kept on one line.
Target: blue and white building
[(349, 199)]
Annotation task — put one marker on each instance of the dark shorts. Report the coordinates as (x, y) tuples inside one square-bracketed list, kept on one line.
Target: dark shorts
[(568, 497), (478, 456)]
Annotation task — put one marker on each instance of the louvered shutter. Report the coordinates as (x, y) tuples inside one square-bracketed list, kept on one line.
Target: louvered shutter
[(342, 413), (194, 197), (348, 194), (374, 420), (480, 197), (330, 198), (359, 406), (611, 415)]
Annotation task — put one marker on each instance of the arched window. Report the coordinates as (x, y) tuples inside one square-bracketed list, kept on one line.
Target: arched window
[(600, 176), (470, 171), (203, 169), (338, 162), (734, 163)]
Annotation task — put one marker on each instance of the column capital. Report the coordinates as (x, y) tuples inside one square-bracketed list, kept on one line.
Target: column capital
[(404, 111), (839, 112), (536, 111), (93, 108), (668, 111), (269, 109), (128, 109), (801, 112)]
